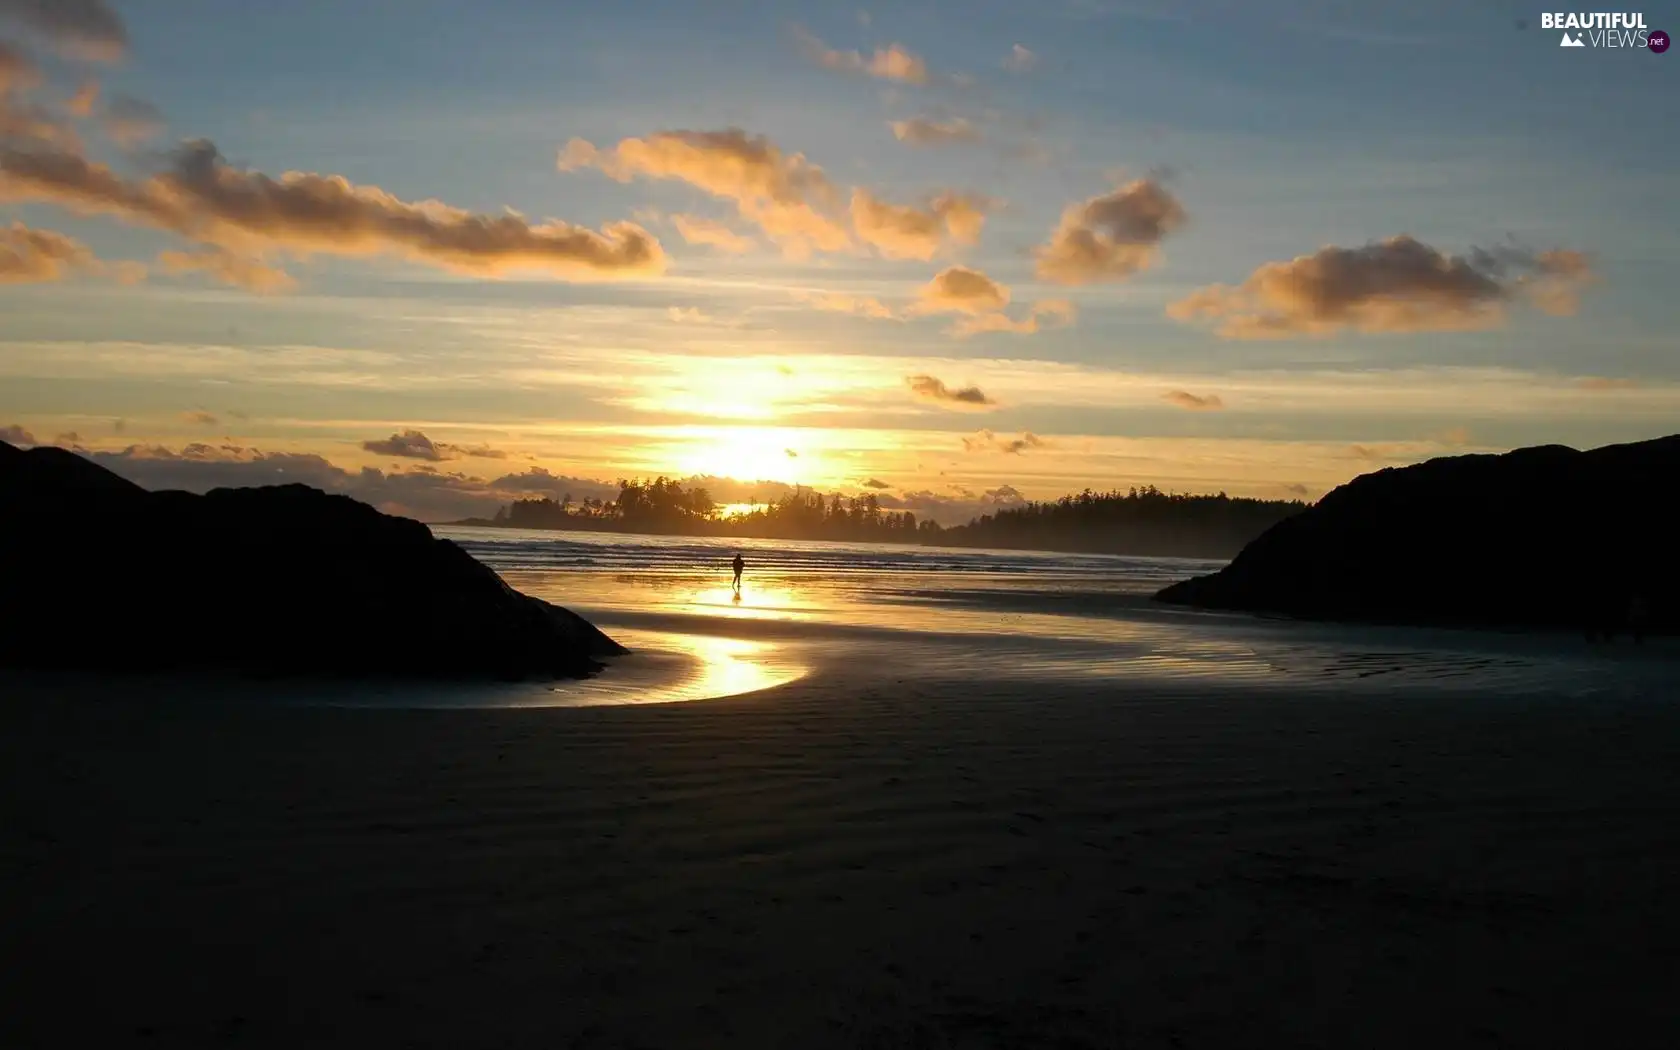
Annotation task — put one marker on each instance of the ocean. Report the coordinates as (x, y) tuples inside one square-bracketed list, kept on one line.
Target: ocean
[(944, 617)]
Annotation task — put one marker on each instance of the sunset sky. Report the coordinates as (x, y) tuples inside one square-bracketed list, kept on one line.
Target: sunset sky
[(437, 255)]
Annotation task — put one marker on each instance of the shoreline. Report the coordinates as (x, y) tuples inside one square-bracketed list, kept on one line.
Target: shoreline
[(1221, 553)]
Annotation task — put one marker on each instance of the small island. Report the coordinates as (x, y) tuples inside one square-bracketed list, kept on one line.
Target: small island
[(97, 573), (1543, 537), (1143, 522)]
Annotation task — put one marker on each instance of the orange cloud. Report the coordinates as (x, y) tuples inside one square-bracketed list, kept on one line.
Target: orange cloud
[(893, 62), (201, 197), (240, 271), (28, 256), (783, 194), (17, 71), (834, 302), (696, 230), (31, 256), (19, 121), (1185, 399), (961, 290), (924, 131), (931, 388), (1396, 285), (1110, 237), (200, 419), (1044, 313), (908, 232), (82, 102)]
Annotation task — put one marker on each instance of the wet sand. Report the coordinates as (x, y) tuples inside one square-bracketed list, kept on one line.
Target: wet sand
[(877, 854)]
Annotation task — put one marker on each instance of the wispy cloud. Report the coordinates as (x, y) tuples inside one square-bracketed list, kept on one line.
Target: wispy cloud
[(1602, 383), (130, 121), (87, 29), (229, 268), (1019, 60), (836, 302), (1185, 399), (784, 194), (712, 234), (1045, 313), (986, 441), (892, 62), (926, 131)]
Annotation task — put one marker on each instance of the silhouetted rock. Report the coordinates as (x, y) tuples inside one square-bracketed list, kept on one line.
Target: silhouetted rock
[(96, 572), (1538, 537)]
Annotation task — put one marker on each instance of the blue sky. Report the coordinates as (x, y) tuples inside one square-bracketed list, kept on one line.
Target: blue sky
[(1276, 131)]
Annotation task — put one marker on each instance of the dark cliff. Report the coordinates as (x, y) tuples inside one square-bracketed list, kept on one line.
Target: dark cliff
[(98, 573), (1538, 537)]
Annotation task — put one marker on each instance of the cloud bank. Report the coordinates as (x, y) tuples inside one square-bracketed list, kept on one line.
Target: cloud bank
[(1395, 285), (202, 197), (414, 444)]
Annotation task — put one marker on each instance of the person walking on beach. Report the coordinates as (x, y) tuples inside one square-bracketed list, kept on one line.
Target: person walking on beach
[(739, 565)]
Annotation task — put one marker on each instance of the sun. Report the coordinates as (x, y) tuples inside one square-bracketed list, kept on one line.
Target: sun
[(747, 454)]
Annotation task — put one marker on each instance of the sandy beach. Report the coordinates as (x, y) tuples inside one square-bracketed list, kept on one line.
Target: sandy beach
[(879, 853)]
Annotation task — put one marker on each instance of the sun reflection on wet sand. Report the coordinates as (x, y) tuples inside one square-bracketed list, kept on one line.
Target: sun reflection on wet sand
[(668, 666)]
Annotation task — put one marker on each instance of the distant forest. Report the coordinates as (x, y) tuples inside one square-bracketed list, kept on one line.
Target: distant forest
[(1143, 521)]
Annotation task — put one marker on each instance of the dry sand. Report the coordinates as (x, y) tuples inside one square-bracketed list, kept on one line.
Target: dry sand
[(853, 860)]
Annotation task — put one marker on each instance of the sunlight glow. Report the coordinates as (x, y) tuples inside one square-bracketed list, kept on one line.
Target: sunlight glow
[(758, 453)]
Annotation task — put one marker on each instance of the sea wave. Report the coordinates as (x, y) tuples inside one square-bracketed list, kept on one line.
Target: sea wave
[(520, 550)]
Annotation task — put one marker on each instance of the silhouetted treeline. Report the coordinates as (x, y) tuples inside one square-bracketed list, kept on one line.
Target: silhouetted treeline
[(1140, 521), (663, 506), (1143, 521)]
